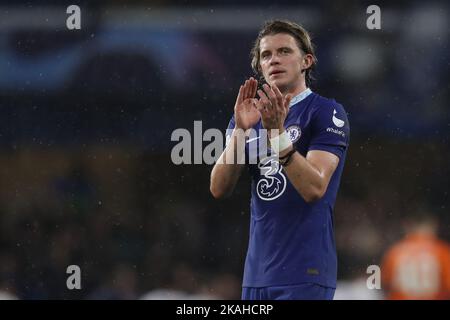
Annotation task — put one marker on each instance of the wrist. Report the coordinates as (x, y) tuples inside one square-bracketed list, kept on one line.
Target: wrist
[(284, 152), (273, 133), (279, 141), (286, 159), (242, 132)]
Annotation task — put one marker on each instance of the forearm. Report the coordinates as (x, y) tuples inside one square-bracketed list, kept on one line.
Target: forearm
[(228, 168), (309, 182)]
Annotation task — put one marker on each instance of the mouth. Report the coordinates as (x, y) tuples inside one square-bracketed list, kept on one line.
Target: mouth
[(275, 73)]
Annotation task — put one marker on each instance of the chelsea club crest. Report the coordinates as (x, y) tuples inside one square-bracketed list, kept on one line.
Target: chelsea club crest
[(294, 132)]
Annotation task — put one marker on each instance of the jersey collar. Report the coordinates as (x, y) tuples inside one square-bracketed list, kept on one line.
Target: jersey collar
[(300, 97)]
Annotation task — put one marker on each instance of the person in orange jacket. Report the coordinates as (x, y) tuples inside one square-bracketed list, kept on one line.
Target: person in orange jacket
[(418, 266)]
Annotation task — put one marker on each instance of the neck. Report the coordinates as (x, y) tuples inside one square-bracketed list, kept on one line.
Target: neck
[(296, 89)]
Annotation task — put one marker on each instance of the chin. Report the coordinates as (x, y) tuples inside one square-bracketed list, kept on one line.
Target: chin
[(277, 82), (282, 85)]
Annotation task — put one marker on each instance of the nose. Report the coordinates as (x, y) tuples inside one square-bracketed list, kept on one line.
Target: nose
[(274, 59)]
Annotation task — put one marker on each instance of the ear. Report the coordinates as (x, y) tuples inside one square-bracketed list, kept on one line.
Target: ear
[(307, 61)]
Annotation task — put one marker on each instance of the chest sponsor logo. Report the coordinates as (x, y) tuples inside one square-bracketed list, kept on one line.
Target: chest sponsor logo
[(272, 183)]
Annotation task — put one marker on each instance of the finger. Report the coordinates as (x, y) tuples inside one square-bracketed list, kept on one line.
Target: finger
[(261, 108), (263, 99), (245, 93), (269, 92), (249, 88), (254, 87), (278, 94), (271, 95)]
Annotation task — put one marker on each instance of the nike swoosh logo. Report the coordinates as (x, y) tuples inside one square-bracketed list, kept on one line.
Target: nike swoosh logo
[(253, 139)]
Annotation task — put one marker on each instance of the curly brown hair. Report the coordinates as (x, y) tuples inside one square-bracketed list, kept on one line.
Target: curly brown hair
[(301, 36)]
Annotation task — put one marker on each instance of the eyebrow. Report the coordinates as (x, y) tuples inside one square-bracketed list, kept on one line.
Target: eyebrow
[(278, 49)]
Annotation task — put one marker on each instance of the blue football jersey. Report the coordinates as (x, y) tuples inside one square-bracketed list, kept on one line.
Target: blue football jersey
[(292, 241)]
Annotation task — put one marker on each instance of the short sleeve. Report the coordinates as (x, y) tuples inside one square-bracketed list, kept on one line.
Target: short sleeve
[(330, 129), (229, 130)]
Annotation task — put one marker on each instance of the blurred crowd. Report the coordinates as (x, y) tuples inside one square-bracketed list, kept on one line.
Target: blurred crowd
[(141, 227)]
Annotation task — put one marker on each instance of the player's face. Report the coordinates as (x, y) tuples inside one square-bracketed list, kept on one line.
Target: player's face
[(281, 61)]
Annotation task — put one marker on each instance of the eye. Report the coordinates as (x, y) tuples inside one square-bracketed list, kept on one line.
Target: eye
[(264, 55)]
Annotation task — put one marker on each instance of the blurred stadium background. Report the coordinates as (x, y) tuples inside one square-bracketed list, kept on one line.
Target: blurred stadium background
[(86, 117)]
